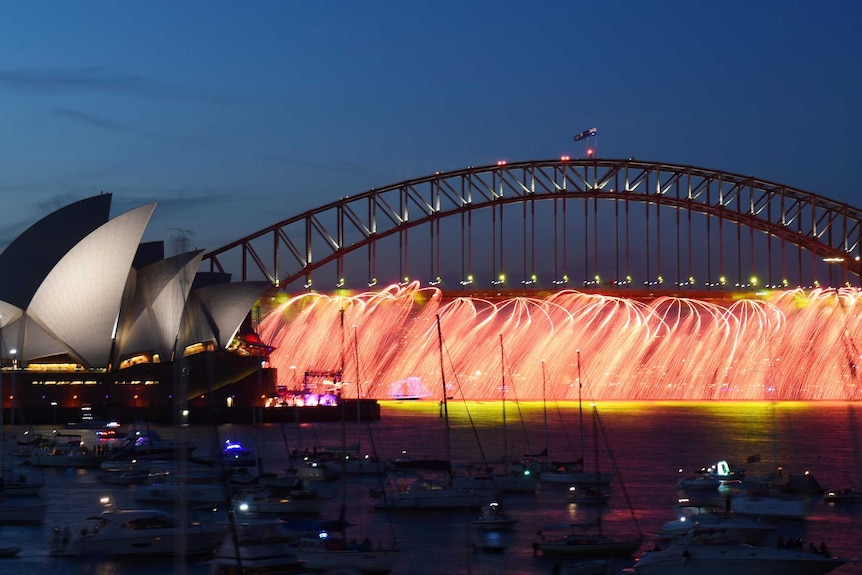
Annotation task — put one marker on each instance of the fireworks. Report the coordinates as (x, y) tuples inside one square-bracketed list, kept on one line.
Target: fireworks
[(791, 345)]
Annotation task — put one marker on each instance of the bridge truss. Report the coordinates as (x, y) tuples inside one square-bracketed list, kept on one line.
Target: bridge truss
[(562, 223)]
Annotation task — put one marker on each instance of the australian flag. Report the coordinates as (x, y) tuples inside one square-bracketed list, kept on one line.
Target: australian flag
[(586, 134)]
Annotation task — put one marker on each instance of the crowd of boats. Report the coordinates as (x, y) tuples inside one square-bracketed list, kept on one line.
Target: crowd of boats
[(244, 520)]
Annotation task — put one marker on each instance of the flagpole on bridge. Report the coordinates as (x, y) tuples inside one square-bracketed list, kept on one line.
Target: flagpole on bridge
[(586, 135)]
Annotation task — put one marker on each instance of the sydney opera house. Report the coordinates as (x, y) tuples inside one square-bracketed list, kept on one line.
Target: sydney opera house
[(94, 320)]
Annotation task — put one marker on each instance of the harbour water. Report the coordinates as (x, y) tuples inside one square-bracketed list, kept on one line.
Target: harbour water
[(647, 442)]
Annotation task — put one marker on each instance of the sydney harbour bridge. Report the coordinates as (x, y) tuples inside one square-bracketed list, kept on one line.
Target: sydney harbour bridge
[(600, 278)]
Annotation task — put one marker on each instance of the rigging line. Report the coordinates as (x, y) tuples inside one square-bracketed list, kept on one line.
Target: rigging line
[(563, 423), (377, 460), (445, 349), (616, 469), (518, 406), (220, 464)]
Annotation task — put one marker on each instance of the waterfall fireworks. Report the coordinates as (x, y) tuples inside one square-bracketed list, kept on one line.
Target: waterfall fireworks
[(791, 345)]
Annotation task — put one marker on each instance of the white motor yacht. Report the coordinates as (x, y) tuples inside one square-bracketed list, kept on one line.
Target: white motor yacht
[(136, 533), (746, 530), (66, 451), (266, 502), (695, 555)]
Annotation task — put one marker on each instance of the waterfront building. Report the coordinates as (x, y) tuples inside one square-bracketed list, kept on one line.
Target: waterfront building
[(94, 321)]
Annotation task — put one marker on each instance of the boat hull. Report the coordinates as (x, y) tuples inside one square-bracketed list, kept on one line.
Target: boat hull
[(498, 483), (166, 544), (743, 560), (454, 500), (745, 530), (15, 511), (577, 477), (590, 547), (790, 508), (200, 495)]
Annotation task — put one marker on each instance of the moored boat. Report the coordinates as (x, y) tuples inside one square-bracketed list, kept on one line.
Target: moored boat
[(66, 451), (22, 511), (588, 545), (328, 552), (266, 502), (766, 505), (588, 494), (740, 528), (258, 548), (494, 518), (428, 494), (10, 551), (513, 482), (21, 483), (576, 474), (849, 495), (137, 533), (699, 483), (693, 555), (192, 486)]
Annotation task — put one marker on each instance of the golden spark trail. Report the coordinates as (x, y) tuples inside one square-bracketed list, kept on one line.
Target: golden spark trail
[(795, 345)]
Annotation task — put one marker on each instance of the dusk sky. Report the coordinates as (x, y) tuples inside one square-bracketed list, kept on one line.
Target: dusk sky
[(236, 115)]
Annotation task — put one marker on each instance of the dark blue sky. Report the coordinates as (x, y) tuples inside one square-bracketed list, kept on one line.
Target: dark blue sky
[(234, 115)]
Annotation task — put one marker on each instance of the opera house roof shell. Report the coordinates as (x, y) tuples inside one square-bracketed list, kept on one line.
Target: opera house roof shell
[(79, 287)]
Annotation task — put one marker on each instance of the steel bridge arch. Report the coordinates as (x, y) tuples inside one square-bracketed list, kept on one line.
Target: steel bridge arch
[(326, 234)]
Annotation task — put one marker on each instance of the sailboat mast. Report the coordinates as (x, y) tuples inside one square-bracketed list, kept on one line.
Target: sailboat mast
[(545, 407), (503, 391), (358, 390), (342, 345), (444, 402), (2, 434), (580, 405)]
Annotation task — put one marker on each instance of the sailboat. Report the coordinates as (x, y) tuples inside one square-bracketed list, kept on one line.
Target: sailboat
[(351, 461), (509, 481), (574, 472), (330, 550), (591, 540), (425, 493)]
